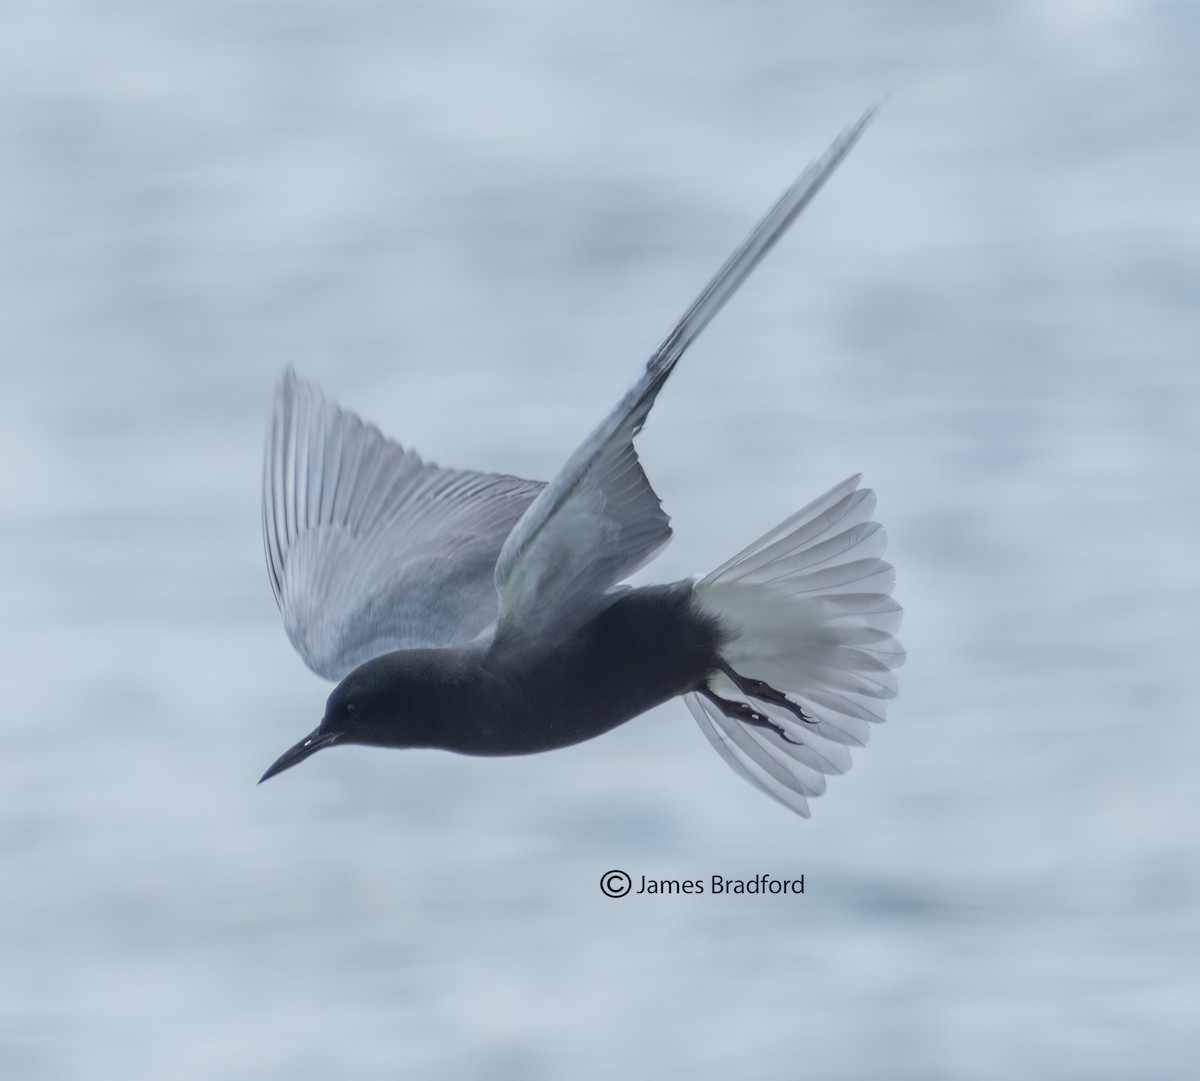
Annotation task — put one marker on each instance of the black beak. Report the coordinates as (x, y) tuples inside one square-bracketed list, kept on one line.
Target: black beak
[(311, 743)]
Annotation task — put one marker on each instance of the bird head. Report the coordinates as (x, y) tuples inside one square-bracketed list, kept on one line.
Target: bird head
[(387, 702)]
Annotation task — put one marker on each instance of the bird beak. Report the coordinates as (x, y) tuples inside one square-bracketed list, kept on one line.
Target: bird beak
[(311, 743)]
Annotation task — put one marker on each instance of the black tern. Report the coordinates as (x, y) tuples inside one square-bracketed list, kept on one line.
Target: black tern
[(486, 614)]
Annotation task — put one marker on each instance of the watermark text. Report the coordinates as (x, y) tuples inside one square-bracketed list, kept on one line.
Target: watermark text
[(619, 883)]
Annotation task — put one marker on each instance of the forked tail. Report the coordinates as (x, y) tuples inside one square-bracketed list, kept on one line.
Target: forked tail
[(808, 666)]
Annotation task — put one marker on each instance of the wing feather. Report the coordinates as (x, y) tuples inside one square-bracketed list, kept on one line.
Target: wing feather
[(599, 519), (370, 549)]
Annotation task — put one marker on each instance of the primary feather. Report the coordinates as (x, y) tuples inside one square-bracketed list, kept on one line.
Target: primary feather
[(599, 519)]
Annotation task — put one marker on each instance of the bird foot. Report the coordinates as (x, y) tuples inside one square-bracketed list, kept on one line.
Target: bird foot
[(757, 688), (742, 711)]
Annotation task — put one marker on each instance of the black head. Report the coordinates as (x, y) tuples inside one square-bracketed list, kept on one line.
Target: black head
[(386, 702)]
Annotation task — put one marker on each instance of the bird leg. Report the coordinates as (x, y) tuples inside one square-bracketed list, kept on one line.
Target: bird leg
[(757, 688), (742, 711)]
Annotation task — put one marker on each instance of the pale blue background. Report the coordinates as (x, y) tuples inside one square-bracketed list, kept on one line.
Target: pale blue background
[(472, 222)]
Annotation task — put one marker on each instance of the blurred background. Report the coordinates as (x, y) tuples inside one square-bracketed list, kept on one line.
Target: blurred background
[(471, 222)]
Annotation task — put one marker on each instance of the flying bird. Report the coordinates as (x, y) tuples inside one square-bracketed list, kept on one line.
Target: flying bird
[(487, 615)]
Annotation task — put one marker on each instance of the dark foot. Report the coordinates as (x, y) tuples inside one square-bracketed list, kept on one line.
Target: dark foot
[(742, 711), (756, 688)]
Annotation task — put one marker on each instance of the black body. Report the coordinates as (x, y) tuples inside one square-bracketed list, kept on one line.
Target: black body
[(522, 694), (648, 646)]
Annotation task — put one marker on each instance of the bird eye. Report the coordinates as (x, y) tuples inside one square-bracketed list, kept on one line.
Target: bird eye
[(351, 709)]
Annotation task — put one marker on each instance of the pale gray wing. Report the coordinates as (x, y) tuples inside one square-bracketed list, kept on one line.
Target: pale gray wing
[(599, 520), (369, 548)]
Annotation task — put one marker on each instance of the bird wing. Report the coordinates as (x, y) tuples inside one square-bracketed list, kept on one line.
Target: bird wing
[(369, 548), (599, 519)]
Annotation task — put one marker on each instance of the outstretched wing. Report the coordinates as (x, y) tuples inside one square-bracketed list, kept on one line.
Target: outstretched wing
[(599, 520), (370, 549)]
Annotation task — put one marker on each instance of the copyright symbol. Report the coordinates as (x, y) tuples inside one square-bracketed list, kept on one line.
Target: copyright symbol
[(615, 883)]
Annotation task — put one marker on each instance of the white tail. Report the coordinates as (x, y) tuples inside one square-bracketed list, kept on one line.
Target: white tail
[(811, 614)]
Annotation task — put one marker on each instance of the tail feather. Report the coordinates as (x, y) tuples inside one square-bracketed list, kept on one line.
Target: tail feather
[(806, 525), (809, 611)]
